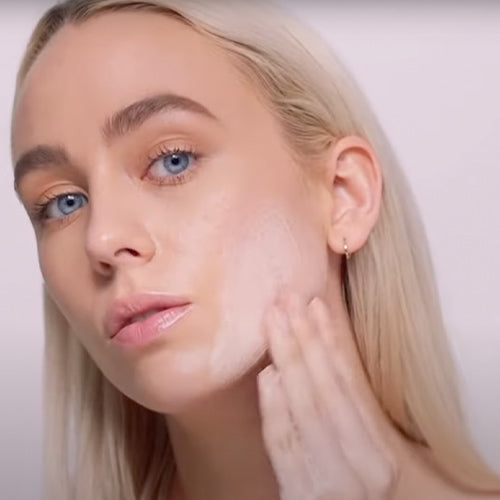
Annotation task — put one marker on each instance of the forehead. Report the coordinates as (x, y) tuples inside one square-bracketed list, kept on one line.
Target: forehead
[(86, 72)]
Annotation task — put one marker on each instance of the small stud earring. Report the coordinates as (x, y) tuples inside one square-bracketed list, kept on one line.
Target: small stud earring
[(347, 254)]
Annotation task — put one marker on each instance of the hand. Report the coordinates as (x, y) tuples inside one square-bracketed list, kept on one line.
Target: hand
[(318, 423)]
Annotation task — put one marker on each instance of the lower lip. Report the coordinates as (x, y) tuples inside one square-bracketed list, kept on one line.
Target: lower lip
[(144, 331)]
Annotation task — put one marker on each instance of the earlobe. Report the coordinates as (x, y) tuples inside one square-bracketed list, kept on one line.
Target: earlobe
[(354, 181)]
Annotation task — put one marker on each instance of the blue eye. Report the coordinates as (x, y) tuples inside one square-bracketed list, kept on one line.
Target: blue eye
[(172, 161), (59, 207)]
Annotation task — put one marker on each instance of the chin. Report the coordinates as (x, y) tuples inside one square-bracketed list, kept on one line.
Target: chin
[(176, 383)]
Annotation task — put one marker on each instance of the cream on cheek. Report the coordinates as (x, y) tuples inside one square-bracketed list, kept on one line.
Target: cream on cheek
[(267, 251)]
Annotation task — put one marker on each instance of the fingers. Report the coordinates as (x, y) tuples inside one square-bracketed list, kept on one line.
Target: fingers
[(302, 395), (343, 355), (281, 438), (319, 440), (322, 383)]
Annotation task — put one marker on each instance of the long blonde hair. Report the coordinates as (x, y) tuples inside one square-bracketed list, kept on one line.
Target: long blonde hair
[(121, 449)]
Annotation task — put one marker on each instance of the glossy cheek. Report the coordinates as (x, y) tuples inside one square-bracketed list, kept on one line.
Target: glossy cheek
[(270, 248)]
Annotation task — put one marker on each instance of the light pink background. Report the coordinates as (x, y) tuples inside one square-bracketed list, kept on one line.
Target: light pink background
[(432, 74)]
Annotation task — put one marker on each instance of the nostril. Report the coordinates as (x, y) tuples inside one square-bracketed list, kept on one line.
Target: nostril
[(108, 253), (102, 271), (105, 267), (129, 251)]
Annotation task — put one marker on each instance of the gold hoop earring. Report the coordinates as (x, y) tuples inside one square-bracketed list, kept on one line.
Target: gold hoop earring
[(346, 250)]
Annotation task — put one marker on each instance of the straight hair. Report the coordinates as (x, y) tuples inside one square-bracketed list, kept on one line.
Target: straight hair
[(100, 444)]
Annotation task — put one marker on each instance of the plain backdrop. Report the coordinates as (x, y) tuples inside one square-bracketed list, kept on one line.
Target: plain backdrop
[(432, 74)]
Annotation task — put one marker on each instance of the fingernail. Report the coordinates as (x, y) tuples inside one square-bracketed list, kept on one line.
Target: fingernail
[(315, 301), (268, 375)]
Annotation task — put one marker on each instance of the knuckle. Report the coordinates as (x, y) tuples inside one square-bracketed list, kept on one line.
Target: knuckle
[(387, 478), (286, 442)]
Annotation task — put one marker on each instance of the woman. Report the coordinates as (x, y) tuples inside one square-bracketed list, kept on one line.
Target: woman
[(239, 300)]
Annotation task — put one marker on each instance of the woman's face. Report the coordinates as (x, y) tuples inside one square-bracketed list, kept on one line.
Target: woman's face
[(237, 225)]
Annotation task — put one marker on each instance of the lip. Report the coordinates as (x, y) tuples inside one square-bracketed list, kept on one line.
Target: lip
[(121, 312)]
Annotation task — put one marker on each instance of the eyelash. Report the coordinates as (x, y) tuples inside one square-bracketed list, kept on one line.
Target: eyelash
[(38, 213), (167, 151)]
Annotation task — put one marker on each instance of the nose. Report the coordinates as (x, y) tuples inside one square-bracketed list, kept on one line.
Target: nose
[(117, 235)]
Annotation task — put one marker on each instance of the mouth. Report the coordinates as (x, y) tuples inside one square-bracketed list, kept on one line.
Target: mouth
[(143, 316), (140, 309)]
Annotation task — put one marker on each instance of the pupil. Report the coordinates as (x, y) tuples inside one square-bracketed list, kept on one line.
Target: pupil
[(176, 162)]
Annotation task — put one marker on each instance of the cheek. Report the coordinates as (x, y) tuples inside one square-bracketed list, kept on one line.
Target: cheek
[(67, 282), (263, 253), (54, 272)]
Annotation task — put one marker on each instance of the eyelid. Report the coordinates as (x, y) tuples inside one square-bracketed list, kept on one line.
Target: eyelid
[(167, 149), (171, 144), (38, 212)]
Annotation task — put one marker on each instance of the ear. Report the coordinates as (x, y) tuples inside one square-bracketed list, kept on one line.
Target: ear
[(353, 180)]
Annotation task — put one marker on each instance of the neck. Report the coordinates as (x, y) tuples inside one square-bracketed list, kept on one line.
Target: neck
[(219, 449), (220, 454)]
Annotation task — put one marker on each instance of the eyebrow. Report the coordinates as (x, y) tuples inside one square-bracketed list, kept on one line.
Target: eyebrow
[(37, 158), (122, 122), (132, 117)]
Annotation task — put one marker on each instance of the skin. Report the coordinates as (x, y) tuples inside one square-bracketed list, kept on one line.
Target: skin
[(244, 226)]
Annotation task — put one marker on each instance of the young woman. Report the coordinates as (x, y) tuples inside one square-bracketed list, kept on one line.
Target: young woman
[(239, 299)]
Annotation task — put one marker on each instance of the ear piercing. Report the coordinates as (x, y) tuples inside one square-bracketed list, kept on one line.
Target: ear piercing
[(346, 250)]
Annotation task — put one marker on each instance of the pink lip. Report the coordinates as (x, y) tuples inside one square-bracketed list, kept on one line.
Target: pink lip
[(119, 316)]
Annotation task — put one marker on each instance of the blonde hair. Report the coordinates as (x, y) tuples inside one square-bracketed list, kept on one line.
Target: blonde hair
[(121, 449)]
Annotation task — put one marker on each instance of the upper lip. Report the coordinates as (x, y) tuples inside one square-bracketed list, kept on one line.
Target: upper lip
[(124, 309)]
